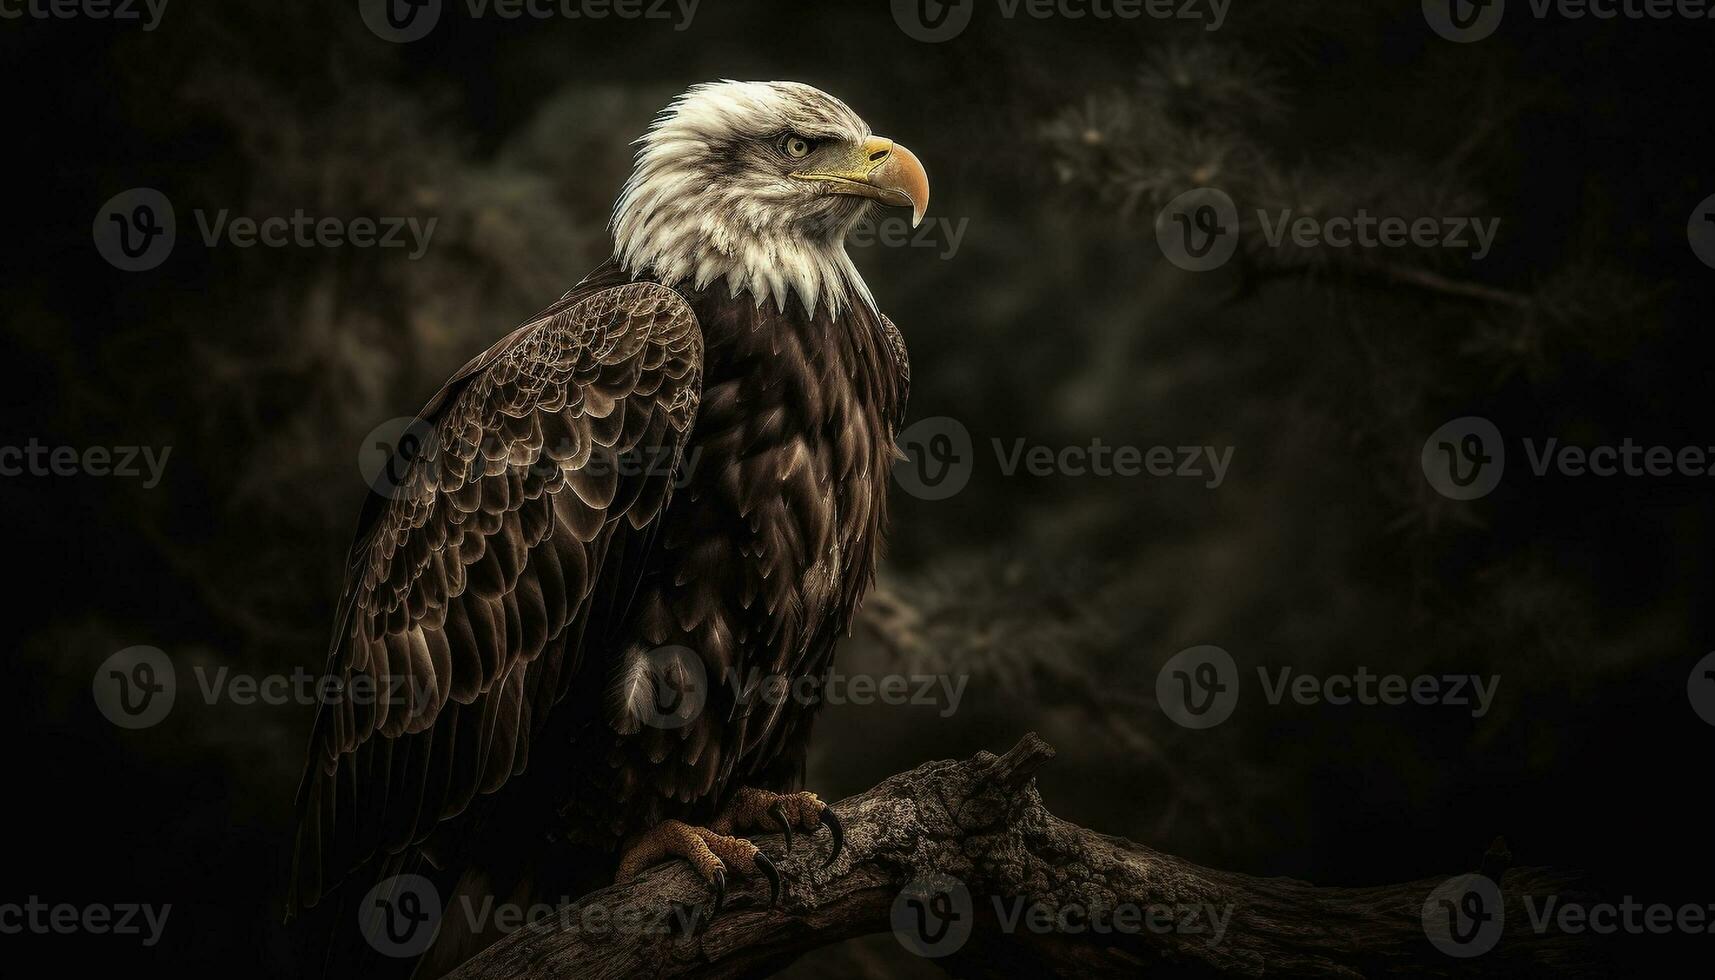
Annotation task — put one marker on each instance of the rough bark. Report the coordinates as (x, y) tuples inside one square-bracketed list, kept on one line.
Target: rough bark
[(982, 822)]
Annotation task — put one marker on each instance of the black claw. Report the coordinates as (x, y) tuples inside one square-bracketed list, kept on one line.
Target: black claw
[(772, 873), (778, 812), (837, 830), (719, 884)]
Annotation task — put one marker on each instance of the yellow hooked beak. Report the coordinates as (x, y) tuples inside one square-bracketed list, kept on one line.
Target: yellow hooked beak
[(880, 170)]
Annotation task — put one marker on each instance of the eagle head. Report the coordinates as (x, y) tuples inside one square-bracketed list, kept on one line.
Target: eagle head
[(758, 183)]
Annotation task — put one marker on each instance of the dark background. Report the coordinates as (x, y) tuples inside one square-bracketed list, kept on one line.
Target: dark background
[(1056, 320)]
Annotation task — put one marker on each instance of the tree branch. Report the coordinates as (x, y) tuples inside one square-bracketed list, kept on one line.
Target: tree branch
[(982, 822), (1403, 275)]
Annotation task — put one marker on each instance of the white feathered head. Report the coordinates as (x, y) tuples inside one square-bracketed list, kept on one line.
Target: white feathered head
[(759, 183)]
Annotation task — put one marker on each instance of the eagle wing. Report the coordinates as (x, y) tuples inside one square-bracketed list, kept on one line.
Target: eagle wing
[(901, 360), (548, 461)]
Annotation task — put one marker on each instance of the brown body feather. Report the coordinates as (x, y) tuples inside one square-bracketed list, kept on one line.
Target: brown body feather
[(539, 542)]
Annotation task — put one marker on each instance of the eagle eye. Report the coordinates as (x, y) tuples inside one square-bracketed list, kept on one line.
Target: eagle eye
[(795, 146)]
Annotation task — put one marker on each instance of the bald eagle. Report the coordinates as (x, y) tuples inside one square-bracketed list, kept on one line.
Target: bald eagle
[(670, 483)]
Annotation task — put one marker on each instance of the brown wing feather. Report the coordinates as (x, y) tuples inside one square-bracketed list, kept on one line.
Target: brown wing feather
[(902, 360), (470, 586)]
